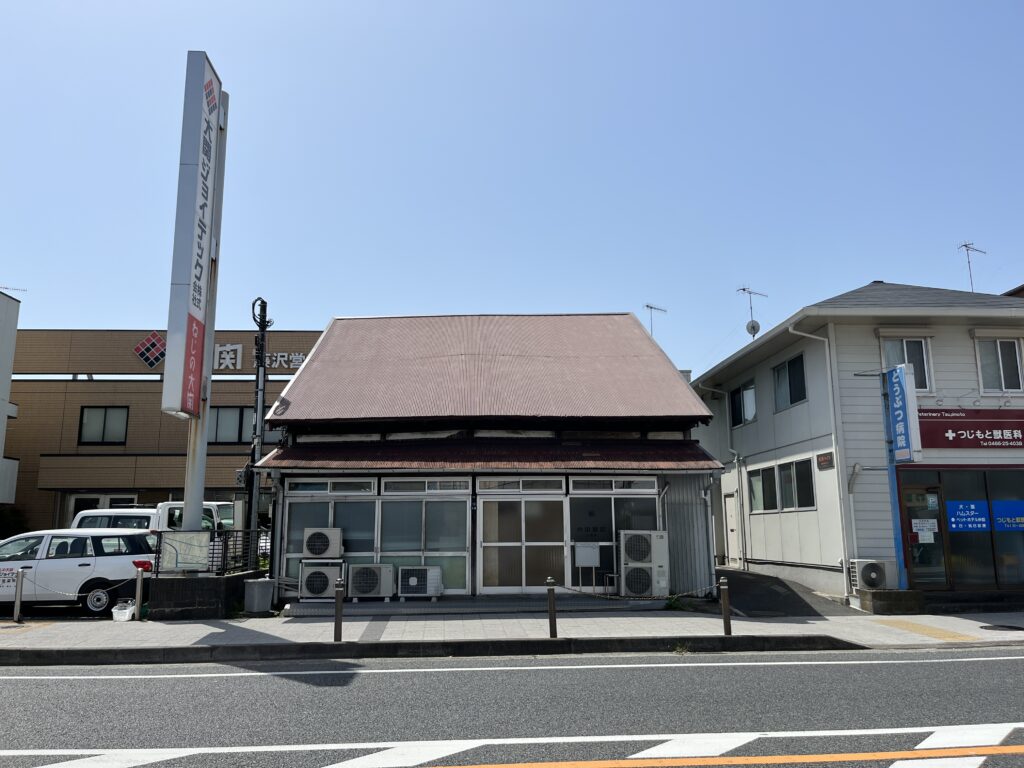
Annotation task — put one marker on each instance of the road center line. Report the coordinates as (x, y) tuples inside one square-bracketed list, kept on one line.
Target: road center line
[(520, 668)]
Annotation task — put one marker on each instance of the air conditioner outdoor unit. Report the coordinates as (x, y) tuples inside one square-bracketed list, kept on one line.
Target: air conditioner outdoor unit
[(874, 574), (371, 580), (317, 578), (419, 581), (643, 564), (321, 542)]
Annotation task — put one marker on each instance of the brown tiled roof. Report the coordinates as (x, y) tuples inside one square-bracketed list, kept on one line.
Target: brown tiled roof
[(571, 366), (496, 455)]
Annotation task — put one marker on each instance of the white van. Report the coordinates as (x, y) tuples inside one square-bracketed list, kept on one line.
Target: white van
[(165, 516)]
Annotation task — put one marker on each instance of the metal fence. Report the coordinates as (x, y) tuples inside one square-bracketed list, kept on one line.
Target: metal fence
[(213, 552)]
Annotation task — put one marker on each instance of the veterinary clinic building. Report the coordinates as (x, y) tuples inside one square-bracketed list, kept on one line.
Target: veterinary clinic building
[(809, 490), (489, 446), (89, 430)]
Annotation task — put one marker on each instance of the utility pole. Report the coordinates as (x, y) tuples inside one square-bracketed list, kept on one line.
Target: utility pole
[(968, 248), (259, 316), (652, 309)]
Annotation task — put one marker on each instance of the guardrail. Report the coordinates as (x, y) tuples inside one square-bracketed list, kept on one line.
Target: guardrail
[(212, 552)]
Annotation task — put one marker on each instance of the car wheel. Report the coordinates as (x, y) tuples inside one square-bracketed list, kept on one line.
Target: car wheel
[(96, 599)]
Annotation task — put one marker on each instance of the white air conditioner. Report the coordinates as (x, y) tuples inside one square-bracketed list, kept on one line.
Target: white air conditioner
[(874, 574), (317, 578), (643, 564), (371, 580), (321, 542), (419, 581)]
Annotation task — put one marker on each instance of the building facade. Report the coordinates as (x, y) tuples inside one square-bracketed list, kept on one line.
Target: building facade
[(812, 486), (90, 432), (491, 447), (8, 411)]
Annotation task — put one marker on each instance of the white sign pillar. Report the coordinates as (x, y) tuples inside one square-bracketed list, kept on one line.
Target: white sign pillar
[(193, 298)]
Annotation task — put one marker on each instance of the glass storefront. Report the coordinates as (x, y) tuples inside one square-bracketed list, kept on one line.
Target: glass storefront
[(963, 528)]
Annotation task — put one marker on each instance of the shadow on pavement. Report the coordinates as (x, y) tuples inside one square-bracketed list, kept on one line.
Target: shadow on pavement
[(758, 596)]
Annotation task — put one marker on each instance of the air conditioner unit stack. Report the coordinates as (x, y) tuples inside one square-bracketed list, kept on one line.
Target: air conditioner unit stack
[(419, 581), (317, 578), (371, 581), (643, 563), (874, 574), (322, 542)]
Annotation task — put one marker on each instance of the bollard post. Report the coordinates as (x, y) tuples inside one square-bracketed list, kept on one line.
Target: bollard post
[(18, 586), (723, 596), (339, 602), (138, 594), (552, 621)]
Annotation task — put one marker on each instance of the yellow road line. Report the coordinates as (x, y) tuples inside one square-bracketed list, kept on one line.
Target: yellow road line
[(843, 757), (923, 629)]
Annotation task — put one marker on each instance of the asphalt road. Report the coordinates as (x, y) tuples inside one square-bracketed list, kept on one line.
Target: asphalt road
[(587, 708)]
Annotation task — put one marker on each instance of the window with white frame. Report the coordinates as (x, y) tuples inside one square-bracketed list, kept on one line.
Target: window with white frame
[(763, 496), (742, 405), (999, 362), (796, 485), (426, 485), (341, 486), (520, 485), (617, 484), (790, 387), (911, 352)]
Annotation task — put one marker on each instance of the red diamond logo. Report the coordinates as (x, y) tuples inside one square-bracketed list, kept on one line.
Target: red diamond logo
[(152, 349)]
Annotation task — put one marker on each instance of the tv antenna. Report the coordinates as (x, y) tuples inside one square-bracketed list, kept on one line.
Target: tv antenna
[(968, 248), (11, 288), (753, 327), (651, 309)]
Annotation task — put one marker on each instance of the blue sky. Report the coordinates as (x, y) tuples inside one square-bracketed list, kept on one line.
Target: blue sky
[(461, 157)]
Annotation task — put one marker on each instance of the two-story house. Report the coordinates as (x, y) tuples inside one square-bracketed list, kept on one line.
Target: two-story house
[(810, 491)]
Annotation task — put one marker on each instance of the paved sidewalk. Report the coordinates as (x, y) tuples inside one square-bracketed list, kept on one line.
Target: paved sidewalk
[(861, 629)]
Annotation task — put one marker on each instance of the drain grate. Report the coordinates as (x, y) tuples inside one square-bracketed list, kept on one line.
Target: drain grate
[(1003, 627)]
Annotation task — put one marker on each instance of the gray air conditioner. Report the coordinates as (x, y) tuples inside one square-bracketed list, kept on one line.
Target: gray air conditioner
[(321, 542), (874, 574), (371, 580), (419, 581), (643, 564), (317, 578)]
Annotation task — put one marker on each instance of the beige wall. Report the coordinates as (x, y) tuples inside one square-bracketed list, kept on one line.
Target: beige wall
[(151, 463)]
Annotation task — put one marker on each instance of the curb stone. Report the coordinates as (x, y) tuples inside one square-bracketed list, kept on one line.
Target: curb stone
[(197, 654)]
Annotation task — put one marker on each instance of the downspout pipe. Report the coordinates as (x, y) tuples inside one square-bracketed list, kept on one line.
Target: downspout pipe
[(833, 416)]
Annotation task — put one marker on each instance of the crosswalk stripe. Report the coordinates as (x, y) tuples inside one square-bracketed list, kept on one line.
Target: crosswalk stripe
[(941, 762), (966, 736), (124, 759), (698, 745), (408, 755)]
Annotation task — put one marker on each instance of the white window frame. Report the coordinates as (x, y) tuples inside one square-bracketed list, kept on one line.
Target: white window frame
[(613, 491), (775, 383), (750, 496), (292, 492), (1002, 379), (426, 486), (522, 544), (778, 484), (519, 481), (744, 420), (903, 339)]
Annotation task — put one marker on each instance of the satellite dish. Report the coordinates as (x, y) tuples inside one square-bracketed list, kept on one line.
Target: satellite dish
[(753, 327)]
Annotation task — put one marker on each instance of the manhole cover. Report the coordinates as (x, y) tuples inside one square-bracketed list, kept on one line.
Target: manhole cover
[(1003, 627)]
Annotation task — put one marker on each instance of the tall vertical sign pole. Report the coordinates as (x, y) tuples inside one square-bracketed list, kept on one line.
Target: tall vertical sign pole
[(259, 314), (193, 299)]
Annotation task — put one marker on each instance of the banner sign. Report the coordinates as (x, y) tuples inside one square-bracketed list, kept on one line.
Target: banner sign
[(967, 516), (193, 244), (971, 428), (1008, 515), (899, 386)]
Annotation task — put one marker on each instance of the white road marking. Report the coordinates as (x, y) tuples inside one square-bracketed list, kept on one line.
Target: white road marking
[(941, 762), (127, 759), (409, 755), (966, 736), (537, 668), (699, 745), (404, 749)]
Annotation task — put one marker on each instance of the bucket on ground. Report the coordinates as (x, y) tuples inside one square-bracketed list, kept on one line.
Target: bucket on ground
[(259, 595), (124, 610)]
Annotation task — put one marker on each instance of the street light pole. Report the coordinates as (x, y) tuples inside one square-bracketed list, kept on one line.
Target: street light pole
[(259, 316)]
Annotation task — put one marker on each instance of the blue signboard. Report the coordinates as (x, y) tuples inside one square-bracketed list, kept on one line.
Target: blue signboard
[(1008, 515), (967, 516), (899, 415)]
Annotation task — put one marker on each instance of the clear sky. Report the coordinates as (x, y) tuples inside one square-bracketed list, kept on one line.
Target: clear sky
[(461, 157)]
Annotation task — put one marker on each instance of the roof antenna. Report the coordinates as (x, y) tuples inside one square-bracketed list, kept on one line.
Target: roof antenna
[(753, 327), (968, 247), (10, 288), (652, 309)]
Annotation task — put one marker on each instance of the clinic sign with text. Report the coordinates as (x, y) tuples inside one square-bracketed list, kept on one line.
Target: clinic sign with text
[(1001, 428), (194, 248), (899, 390)]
